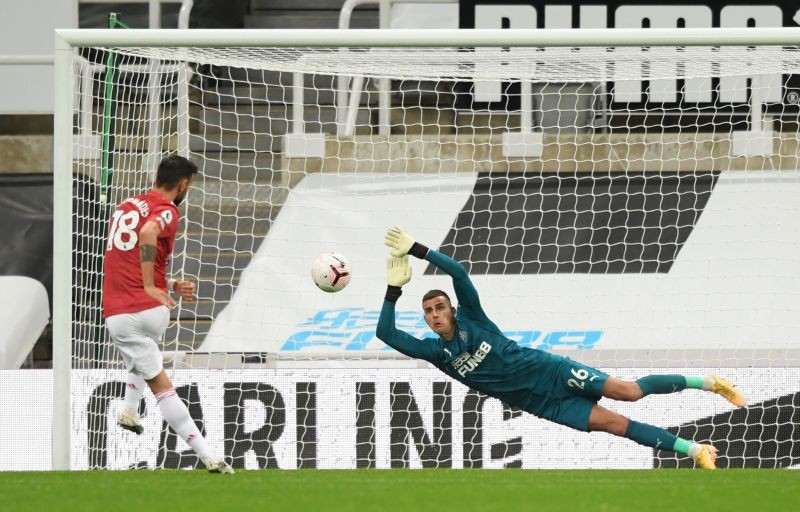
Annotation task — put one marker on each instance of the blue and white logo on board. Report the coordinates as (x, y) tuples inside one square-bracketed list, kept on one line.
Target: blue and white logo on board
[(353, 329)]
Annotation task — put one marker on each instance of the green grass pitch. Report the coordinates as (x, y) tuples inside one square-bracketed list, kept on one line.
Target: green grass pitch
[(403, 490)]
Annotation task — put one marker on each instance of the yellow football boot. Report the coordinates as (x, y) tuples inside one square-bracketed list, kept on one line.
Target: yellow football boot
[(707, 458), (728, 390)]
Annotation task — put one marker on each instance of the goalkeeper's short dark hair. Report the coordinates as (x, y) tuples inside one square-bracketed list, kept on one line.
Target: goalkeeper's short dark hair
[(432, 294), (172, 170)]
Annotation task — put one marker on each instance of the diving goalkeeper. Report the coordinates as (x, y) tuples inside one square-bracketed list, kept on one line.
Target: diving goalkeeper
[(472, 349)]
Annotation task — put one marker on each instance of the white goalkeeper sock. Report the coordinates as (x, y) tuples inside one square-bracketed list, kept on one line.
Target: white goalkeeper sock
[(134, 388), (177, 416), (694, 450)]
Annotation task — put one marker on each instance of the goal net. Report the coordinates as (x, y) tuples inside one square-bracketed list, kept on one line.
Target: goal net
[(634, 208)]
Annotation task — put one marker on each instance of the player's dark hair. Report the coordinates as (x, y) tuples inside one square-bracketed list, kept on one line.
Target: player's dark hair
[(172, 170), (435, 293)]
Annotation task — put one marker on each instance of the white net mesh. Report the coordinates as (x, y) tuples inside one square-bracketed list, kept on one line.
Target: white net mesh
[(552, 64), (634, 208)]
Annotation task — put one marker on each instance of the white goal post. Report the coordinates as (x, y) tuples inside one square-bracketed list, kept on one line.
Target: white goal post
[(517, 139)]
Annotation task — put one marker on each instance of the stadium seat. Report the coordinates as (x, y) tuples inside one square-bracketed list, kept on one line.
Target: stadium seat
[(24, 313)]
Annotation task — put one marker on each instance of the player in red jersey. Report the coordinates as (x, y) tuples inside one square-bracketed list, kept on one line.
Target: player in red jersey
[(136, 302)]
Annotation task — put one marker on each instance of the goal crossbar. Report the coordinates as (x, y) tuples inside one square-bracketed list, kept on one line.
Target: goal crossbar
[(422, 38)]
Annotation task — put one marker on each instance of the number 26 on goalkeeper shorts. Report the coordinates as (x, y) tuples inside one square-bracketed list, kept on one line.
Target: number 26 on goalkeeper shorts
[(581, 380)]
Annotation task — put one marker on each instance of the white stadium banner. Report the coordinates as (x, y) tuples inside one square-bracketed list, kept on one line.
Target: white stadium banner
[(255, 321), (725, 301), (347, 418)]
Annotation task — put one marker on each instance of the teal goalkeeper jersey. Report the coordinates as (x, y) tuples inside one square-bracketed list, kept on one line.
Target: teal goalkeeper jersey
[(479, 355)]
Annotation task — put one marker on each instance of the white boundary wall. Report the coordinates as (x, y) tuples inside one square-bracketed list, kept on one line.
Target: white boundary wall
[(25, 424), (26, 31)]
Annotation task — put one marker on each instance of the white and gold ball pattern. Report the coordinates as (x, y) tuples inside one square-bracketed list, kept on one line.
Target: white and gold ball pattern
[(331, 272)]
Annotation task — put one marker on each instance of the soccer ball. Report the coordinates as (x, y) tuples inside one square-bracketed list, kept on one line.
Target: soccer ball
[(330, 272)]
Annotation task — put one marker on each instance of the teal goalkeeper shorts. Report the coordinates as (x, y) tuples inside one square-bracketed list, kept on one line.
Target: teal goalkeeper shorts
[(576, 389)]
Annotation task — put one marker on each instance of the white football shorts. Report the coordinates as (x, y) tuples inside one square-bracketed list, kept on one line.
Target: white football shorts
[(136, 336)]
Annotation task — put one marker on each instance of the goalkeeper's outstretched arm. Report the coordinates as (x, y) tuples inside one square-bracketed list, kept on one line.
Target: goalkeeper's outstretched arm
[(398, 274), (402, 244)]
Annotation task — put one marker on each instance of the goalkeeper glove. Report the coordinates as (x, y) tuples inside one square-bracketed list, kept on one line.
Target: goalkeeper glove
[(398, 273), (401, 242)]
